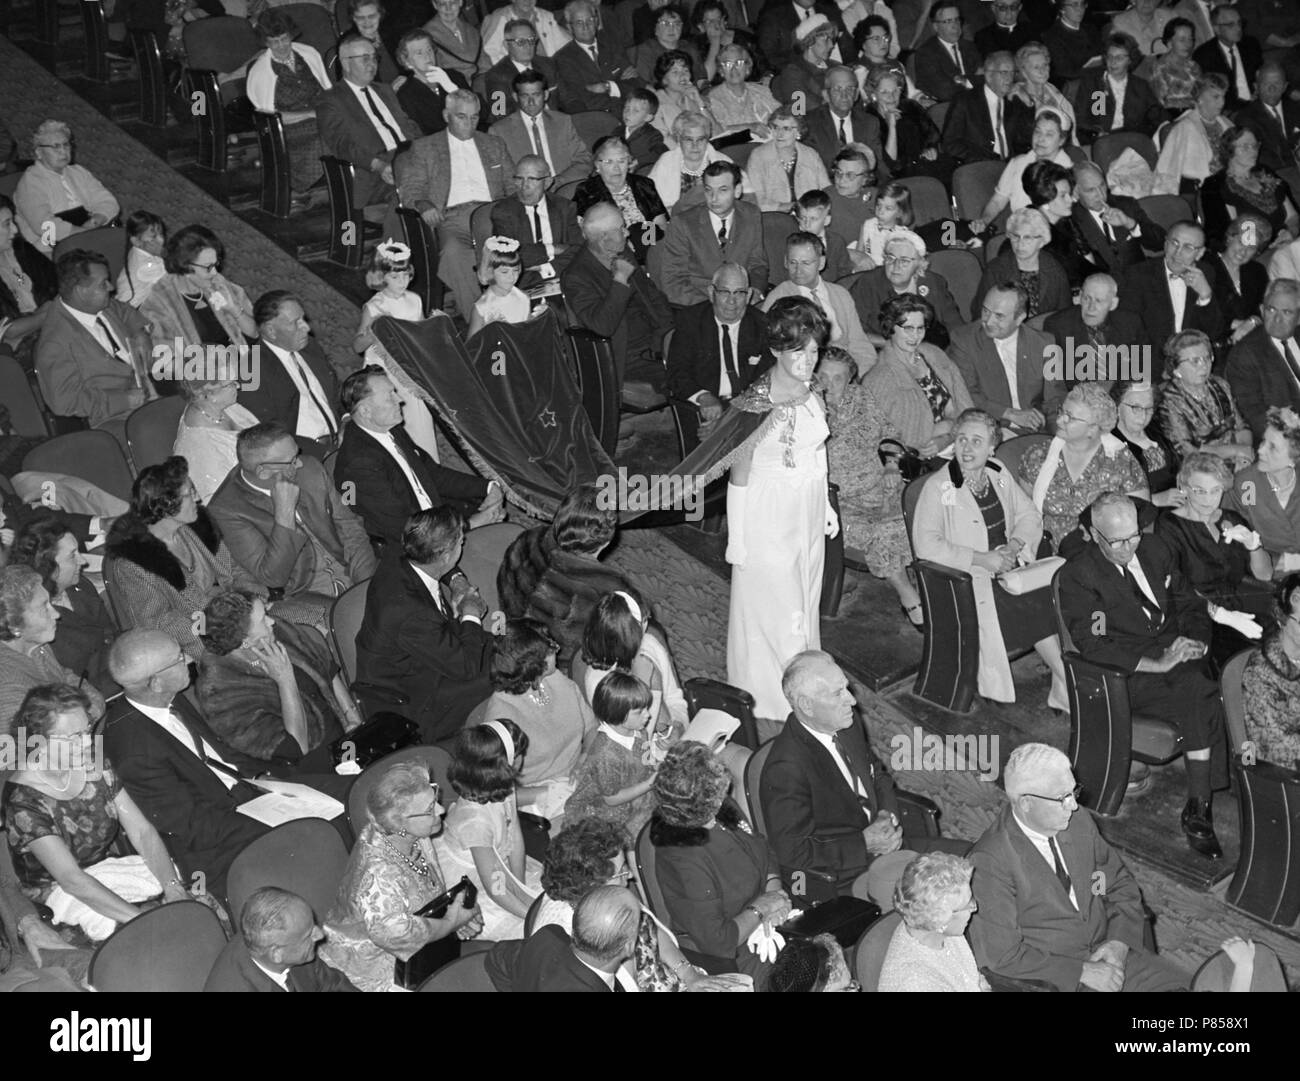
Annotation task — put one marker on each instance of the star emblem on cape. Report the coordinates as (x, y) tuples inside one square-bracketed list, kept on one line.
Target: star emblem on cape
[(547, 417)]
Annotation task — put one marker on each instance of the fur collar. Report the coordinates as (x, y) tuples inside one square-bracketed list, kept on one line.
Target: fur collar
[(663, 835), (131, 540)]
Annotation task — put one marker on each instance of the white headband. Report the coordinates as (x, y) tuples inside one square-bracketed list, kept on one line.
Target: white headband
[(632, 606), (506, 740)]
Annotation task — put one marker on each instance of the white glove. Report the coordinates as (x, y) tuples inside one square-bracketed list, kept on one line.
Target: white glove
[(1243, 535), (1241, 622), (437, 75), (766, 942), (736, 553), (832, 520)]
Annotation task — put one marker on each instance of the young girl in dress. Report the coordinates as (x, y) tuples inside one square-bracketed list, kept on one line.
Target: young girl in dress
[(482, 837), (614, 777), (146, 234), (391, 273), (502, 301), (893, 213)]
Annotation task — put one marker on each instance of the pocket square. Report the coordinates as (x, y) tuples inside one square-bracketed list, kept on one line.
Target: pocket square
[(755, 360)]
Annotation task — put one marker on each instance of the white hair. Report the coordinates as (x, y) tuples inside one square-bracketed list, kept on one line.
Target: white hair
[(1029, 765)]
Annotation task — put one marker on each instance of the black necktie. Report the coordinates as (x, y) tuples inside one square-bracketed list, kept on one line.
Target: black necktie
[(729, 359), (537, 225), (1149, 607), (722, 234), (595, 55), (379, 117), (617, 986), (1232, 65), (856, 782), (1062, 875), (1290, 360), (114, 344), (844, 139)]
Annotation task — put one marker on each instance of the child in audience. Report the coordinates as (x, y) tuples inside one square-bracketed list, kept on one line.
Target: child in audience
[(391, 274), (502, 301), (644, 141), (146, 233), (893, 212), (813, 209), (614, 777)]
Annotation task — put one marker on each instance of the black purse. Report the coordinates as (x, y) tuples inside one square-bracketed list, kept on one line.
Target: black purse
[(909, 461), (381, 735), (844, 918), (422, 964)]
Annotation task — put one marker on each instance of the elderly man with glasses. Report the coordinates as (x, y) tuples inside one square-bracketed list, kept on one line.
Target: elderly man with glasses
[(1126, 603), (1055, 902), (545, 224), (504, 23), (522, 45)]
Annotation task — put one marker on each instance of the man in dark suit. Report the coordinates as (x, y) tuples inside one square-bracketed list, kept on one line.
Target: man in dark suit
[(1071, 41), (971, 129), (1173, 292), (185, 779), (1127, 604), (839, 121), (1230, 54), (1116, 230), (297, 384), (422, 639), (385, 477), (443, 183), (283, 521), (719, 346), (829, 806), (591, 74), (1096, 322), (611, 295), (545, 224), (1264, 367), (535, 129), (275, 950), (1273, 117), (521, 55), (1039, 914), (1100, 87), (361, 121), (988, 351), (947, 63), (701, 239), (1008, 32), (605, 924), (777, 25)]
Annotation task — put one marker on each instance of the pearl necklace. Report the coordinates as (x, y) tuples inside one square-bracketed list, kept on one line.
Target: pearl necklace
[(419, 865), (1288, 484)]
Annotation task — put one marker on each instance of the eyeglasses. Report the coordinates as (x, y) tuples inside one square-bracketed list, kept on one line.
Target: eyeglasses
[(727, 65), (532, 179), (1216, 491), (900, 260), (431, 812), (730, 294), (1067, 416), (1199, 360), (880, 37), (295, 461), (182, 659), (55, 146), (202, 266), (1143, 409), (1073, 794), (521, 41), (364, 58), (1118, 542), (847, 174)]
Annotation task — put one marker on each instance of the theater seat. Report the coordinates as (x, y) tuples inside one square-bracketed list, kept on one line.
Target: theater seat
[(465, 974), (305, 856), (171, 948)]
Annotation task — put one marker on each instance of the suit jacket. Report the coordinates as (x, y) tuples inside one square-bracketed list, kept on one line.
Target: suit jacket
[(695, 359), (1236, 305), (871, 289), (1090, 583), (822, 132), (544, 961), (646, 144), (1126, 249), (425, 104), (977, 358), (347, 131), (1210, 57), (1142, 110), (1025, 926), (575, 71), (691, 252), (1274, 138), (570, 156), (1122, 328), (282, 558), (511, 218), (814, 818), (776, 26), (193, 811), (1146, 291), (498, 80), (1070, 49), (968, 133), (380, 492), (1053, 282), (994, 39), (1259, 378), (936, 72), (424, 173), (845, 313), (277, 396), (408, 645), (77, 376), (601, 304), (235, 970)]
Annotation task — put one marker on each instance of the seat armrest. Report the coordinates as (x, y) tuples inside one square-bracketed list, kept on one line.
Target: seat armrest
[(942, 570), (919, 811)]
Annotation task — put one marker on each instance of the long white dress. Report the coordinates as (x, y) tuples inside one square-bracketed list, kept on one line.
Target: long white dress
[(776, 595), (415, 414)]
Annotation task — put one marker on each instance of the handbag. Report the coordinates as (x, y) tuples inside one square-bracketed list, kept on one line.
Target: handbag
[(382, 734), (844, 918), (908, 459), (1032, 576), (425, 961)]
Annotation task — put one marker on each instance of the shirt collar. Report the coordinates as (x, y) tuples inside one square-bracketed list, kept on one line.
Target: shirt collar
[(280, 978), (1032, 834), (621, 738), (160, 714), (432, 585), (84, 318)]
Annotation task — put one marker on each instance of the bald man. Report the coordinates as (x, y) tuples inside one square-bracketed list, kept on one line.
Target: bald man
[(612, 295), (187, 781)]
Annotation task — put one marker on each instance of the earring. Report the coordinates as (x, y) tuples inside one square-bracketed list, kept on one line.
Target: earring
[(402, 832)]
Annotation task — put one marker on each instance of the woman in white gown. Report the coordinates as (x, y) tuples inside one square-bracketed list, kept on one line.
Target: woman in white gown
[(779, 512)]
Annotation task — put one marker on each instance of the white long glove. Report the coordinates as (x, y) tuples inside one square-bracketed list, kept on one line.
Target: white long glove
[(736, 553), (766, 942), (1241, 622)]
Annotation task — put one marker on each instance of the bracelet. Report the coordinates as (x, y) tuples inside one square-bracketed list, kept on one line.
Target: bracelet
[(756, 911)]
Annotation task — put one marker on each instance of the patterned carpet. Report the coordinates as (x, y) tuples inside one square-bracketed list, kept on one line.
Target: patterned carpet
[(690, 599)]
